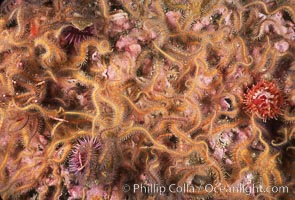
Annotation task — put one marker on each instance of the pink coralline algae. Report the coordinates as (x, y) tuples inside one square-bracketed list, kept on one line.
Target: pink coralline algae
[(147, 99)]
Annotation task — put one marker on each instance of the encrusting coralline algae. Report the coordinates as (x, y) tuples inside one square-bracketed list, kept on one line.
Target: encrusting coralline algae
[(147, 99)]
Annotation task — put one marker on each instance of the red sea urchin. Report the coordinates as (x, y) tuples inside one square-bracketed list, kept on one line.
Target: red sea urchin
[(82, 153), (264, 100)]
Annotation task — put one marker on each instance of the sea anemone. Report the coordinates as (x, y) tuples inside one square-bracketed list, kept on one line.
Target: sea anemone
[(264, 100), (82, 152)]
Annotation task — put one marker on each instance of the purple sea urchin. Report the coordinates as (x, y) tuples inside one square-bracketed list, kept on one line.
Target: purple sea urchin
[(82, 152), (74, 36)]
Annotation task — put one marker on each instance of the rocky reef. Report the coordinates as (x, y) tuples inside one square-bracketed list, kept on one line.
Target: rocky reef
[(147, 99)]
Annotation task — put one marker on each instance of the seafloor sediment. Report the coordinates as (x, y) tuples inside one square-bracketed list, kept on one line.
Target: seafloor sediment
[(147, 99)]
